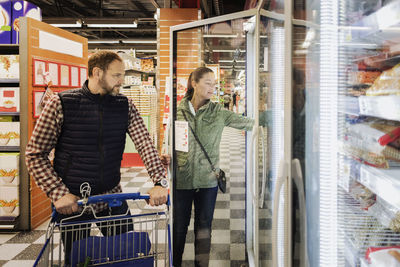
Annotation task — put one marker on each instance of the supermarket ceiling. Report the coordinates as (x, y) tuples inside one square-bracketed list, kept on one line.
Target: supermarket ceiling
[(103, 22)]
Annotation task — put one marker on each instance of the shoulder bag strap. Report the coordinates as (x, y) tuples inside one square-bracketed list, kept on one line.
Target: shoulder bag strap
[(198, 141)]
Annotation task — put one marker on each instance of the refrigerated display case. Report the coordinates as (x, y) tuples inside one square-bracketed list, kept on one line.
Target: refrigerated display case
[(352, 122), (253, 48)]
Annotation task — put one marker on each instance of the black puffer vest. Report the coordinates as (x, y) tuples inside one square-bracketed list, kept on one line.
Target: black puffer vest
[(92, 140)]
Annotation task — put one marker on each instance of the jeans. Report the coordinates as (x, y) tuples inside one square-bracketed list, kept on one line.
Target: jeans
[(204, 205), (70, 234)]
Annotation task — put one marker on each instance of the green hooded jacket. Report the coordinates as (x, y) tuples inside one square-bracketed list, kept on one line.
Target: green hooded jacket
[(193, 169)]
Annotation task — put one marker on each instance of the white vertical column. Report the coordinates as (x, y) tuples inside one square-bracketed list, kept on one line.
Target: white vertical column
[(328, 133)]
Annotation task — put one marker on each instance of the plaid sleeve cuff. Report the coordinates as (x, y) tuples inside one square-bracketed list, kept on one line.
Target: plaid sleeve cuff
[(58, 193)]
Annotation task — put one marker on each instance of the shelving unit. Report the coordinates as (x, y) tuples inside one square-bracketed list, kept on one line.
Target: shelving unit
[(12, 221), (365, 52), (144, 101)]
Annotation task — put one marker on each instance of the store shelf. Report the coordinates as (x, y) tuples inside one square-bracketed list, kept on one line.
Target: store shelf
[(9, 82), (9, 148), (9, 113), (8, 222), (139, 71), (374, 24), (9, 49), (385, 107), (349, 105), (383, 182), (130, 85)]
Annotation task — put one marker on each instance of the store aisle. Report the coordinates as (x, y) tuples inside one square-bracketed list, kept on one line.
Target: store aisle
[(228, 236)]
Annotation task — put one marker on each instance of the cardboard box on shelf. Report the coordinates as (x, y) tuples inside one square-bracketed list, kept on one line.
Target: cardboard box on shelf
[(5, 22), (9, 99), (22, 9), (9, 66), (9, 201), (9, 169), (9, 134)]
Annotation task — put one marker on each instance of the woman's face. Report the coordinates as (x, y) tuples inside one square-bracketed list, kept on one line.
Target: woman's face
[(204, 89)]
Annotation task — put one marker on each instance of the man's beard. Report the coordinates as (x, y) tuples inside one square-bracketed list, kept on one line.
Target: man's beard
[(107, 89)]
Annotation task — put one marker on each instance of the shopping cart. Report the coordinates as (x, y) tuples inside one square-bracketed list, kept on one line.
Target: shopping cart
[(120, 240)]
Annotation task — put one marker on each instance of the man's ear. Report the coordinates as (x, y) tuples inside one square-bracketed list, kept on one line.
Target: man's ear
[(97, 72)]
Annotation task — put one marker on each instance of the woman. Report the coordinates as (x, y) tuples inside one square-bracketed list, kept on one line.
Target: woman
[(195, 181)]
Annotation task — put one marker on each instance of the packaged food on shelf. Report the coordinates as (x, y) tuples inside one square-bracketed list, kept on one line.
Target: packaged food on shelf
[(363, 154), (385, 183), (386, 214), (383, 256), (386, 107), (9, 168), (379, 131), (9, 66), (363, 77), (9, 201), (9, 134), (147, 64), (9, 99), (363, 195), (388, 83)]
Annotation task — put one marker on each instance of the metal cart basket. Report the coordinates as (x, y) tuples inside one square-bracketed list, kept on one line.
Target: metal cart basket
[(116, 240)]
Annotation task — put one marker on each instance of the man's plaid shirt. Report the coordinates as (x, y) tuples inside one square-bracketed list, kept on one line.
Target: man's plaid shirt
[(44, 139)]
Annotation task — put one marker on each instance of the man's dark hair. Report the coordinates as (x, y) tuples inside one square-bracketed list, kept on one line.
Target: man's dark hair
[(102, 60)]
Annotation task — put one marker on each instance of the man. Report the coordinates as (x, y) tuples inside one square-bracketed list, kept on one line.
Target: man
[(227, 100), (87, 128)]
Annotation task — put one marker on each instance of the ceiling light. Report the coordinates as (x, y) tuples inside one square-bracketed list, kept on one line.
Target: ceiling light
[(146, 50), (221, 35), (67, 25), (122, 41), (139, 41), (103, 41), (129, 25)]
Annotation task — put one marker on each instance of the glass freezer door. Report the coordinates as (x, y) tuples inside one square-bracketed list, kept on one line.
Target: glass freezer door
[(245, 50), (271, 182)]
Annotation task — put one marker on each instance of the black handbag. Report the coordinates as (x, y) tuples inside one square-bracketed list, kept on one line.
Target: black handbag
[(221, 179)]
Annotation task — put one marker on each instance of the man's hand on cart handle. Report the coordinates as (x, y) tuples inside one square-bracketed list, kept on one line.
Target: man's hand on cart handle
[(158, 195), (67, 204), (165, 160)]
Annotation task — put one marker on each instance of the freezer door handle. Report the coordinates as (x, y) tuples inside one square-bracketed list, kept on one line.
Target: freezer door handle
[(297, 177), (253, 169), (264, 168), (282, 175)]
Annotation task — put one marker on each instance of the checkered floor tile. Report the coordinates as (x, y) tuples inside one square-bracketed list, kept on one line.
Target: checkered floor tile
[(228, 237)]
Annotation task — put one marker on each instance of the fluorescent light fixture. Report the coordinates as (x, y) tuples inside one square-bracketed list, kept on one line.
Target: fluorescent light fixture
[(118, 41), (103, 41), (230, 61), (139, 41), (67, 25), (94, 25), (226, 50), (301, 52), (220, 35), (309, 38), (146, 51)]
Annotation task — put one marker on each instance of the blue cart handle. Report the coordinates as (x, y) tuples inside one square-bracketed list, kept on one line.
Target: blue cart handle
[(115, 200)]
